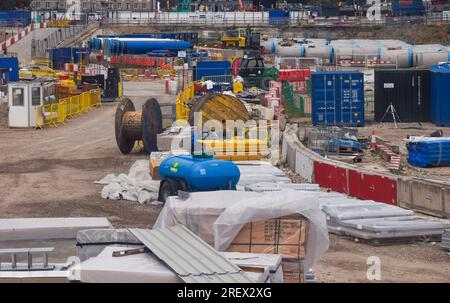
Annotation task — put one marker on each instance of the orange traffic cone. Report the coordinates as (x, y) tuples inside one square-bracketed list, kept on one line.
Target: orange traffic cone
[(373, 141)]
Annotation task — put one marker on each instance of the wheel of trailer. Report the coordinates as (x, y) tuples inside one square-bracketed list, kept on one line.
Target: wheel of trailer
[(151, 124), (265, 83), (167, 188), (123, 123)]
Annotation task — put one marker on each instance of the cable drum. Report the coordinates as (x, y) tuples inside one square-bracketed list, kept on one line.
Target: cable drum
[(131, 125)]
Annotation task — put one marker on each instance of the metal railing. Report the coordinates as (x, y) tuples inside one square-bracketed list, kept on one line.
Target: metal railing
[(41, 47), (242, 19)]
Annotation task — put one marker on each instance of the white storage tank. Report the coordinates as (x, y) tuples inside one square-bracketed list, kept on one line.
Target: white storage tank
[(270, 45), (429, 55)]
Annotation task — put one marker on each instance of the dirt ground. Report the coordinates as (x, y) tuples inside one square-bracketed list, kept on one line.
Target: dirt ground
[(50, 173), (396, 136)]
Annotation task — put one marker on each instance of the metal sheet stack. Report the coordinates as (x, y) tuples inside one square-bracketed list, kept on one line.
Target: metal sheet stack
[(378, 222)]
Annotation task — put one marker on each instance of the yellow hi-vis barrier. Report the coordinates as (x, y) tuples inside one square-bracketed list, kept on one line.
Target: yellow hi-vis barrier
[(182, 102), (57, 113)]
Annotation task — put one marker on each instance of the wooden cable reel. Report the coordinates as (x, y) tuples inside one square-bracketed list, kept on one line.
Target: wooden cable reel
[(220, 107), (131, 125)]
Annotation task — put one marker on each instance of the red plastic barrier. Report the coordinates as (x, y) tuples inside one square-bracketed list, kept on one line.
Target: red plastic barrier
[(372, 187), (294, 75), (330, 176)]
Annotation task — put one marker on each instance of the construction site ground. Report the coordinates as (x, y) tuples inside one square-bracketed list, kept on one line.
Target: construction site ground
[(50, 173), (396, 136)]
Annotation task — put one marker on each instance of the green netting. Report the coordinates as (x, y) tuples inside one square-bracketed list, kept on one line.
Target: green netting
[(294, 104)]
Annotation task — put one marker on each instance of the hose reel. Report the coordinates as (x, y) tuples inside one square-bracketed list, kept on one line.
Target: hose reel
[(131, 125)]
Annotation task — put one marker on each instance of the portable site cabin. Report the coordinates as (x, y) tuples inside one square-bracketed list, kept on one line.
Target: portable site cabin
[(23, 99)]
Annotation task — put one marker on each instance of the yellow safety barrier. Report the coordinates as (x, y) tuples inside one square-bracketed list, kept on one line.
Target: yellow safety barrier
[(182, 102), (58, 23), (57, 113)]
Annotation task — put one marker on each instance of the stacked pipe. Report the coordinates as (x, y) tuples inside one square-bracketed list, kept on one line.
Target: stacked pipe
[(140, 46), (360, 51)]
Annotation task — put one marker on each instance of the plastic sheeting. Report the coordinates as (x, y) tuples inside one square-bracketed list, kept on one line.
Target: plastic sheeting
[(91, 242), (336, 214), (275, 205), (429, 152), (270, 261), (263, 172), (137, 186), (140, 268), (392, 227), (271, 186), (217, 217)]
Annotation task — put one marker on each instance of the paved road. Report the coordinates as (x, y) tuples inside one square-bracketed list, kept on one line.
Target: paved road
[(23, 47)]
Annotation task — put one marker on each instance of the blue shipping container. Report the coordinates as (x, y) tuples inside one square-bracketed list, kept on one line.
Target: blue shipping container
[(407, 7), (213, 70), (10, 69), (338, 98), (278, 17), (15, 18), (440, 95), (61, 56)]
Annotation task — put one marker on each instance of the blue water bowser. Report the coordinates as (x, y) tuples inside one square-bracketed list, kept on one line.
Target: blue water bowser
[(193, 174)]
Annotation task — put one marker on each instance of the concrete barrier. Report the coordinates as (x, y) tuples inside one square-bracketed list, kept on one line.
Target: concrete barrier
[(428, 196), (304, 166)]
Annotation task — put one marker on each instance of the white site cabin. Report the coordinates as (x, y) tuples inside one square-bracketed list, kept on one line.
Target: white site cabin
[(23, 99)]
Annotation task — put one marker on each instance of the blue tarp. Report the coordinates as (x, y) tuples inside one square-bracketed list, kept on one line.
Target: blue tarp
[(344, 144), (429, 153)]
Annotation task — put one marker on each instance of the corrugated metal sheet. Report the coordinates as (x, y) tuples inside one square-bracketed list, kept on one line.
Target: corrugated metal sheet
[(338, 98), (191, 258), (440, 97)]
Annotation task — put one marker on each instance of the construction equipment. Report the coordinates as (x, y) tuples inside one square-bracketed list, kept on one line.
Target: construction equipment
[(254, 72), (196, 173), (247, 38)]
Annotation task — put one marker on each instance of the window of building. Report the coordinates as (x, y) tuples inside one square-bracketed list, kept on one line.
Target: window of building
[(18, 99), (47, 4), (35, 96), (37, 4), (143, 5), (135, 6)]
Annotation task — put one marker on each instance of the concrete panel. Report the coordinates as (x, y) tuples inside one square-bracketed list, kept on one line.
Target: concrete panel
[(447, 203), (48, 228), (290, 155), (304, 166), (330, 176), (427, 196), (404, 193), (368, 186), (284, 147)]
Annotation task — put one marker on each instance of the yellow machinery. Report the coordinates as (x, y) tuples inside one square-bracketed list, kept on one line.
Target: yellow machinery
[(234, 39), (37, 71)]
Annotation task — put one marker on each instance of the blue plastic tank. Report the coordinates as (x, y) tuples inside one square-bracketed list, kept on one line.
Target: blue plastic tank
[(201, 174)]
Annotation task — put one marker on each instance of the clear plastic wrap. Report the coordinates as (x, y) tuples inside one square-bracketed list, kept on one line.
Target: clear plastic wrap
[(217, 217), (275, 205), (91, 242)]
